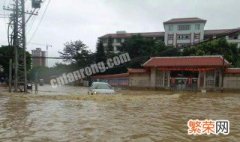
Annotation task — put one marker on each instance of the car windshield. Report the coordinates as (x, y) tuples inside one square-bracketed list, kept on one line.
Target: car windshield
[(101, 86)]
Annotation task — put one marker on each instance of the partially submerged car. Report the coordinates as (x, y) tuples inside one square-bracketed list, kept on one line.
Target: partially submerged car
[(100, 88)]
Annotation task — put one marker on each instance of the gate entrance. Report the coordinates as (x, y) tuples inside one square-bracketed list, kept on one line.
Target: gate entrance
[(184, 80)]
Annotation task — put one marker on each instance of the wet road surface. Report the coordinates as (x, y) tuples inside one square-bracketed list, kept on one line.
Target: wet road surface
[(143, 116)]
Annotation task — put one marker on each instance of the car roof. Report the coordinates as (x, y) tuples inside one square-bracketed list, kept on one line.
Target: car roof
[(99, 83)]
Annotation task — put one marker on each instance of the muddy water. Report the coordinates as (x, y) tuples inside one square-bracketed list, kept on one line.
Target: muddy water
[(133, 116)]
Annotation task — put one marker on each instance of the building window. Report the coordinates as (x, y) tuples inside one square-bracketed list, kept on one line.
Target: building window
[(170, 27), (233, 37), (183, 44), (118, 40), (197, 26), (118, 48), (183, 27), (160, 38), (170, 37), (105, 40), (196, 36), (184, 37)]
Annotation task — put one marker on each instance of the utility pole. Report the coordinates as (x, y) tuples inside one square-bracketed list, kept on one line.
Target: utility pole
[(223, 71), (47, 46), (18, 41), (10, 76)]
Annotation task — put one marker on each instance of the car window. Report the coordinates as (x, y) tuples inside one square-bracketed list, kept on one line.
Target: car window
[(101, 86)]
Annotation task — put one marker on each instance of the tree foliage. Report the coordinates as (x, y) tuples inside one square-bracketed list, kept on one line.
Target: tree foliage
[(47, 73), (77, 53), (141, 48), (216, 47), (100, 53), (109, 45), (6, 53)]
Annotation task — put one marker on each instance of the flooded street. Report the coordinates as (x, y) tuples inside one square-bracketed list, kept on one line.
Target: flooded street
[(142, 116)]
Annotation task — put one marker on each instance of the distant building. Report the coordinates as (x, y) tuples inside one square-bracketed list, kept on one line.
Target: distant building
[(179, 32), (184, 31), (39, 58)]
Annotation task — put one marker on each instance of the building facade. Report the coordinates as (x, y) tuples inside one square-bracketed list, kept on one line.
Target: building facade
[(187, 73), (179, 32), (184, 32), (39, 58), (179, 73)]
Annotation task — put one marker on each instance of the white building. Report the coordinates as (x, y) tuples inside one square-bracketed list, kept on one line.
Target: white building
[(179, 32), (184, 31)]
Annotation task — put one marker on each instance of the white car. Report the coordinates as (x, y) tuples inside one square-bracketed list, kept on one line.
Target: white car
[(100, 88)]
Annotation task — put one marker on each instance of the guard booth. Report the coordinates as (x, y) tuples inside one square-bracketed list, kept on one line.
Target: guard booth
[(187, 73)]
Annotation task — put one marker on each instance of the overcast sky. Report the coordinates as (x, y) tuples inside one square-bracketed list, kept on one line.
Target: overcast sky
[(86, 20)]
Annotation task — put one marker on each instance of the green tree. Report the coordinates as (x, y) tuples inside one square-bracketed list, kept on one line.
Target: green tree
[(100, 53), (6, 53), (47, 73), (140, 48), (41, 72), (109, 45), (77, 54), (216, 47)]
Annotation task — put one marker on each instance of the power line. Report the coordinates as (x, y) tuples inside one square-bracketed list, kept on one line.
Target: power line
[(30, 28), (34, 43), (19, 41), (30, 39), (4, 14)]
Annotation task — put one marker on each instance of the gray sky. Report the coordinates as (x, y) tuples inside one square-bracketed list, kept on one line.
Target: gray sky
[(86, 20)]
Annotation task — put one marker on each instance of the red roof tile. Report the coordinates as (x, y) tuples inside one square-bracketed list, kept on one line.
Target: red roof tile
[(232, 71), (161, 34), (220, 31), (128, 35), (130, 70), (107, 76), (185, 20), (188, 61)]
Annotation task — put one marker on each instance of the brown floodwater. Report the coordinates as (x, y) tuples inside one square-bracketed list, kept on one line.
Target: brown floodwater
[(142, 116)]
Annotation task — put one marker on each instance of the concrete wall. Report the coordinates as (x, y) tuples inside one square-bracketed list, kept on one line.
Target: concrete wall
[(210, 80), (119, 82), (162, 79), (159, 79), (139, 80), (231, 82)]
